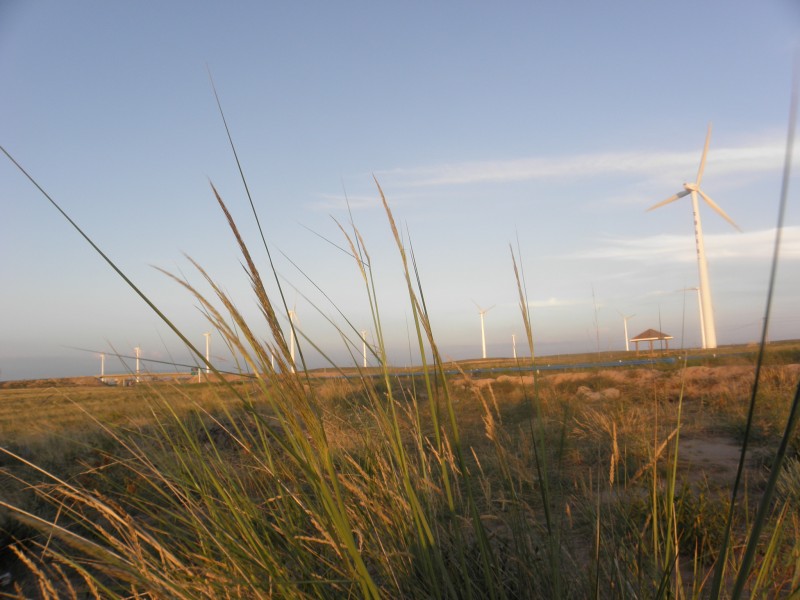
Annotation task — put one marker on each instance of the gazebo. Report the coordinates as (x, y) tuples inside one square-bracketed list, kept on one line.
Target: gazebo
[(650, 336)]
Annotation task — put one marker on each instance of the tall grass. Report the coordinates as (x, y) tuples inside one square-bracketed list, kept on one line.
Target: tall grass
[(396, 487), (284, 510)]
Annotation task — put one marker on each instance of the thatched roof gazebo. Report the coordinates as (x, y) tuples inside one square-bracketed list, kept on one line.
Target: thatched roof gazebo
[(650, 336)]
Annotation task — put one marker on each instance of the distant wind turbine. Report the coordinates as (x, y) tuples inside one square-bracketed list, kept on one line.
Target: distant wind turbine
[(625, 325), (483, 311), (707, 311), (364, 346), (208, 350), (137, 350)]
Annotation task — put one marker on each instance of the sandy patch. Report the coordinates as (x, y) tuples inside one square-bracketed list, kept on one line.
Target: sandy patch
[(710, 458)]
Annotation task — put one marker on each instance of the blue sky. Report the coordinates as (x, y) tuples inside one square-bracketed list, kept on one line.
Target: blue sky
[(556, 124)]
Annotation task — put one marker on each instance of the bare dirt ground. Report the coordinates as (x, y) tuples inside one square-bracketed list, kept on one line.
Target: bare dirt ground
[(715, 455)]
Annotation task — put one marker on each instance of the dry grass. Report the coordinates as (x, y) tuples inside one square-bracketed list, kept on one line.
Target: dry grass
[(609, 441)]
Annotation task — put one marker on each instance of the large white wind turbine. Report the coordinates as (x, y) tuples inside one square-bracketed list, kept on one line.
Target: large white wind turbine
[(705, 289), (483, 311)]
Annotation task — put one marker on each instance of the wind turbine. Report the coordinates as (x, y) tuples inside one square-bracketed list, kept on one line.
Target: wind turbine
[(707, 311), (625, 325), (483, 311), (208, 347), (137, 350), (364, 346)]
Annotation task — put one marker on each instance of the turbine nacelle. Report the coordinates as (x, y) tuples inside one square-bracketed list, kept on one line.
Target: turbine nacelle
[(694, 189)]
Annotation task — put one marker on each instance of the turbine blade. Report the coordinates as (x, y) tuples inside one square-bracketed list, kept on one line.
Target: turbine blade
[(703, 160), (721, 212), (680, 194)]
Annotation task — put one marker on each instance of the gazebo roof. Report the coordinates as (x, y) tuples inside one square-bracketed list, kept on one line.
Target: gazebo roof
[(650, 335)]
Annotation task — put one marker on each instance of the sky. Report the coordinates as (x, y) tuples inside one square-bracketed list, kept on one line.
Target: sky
[(546, 127)]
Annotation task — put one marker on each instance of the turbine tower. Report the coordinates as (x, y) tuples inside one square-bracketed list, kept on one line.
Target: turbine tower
[(137, 350), (364, 346), (625, 325), (483, 311), (707, 312), (208, 347), (700, 308)]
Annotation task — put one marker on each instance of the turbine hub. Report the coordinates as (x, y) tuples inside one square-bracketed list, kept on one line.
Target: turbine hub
[(691, 187)]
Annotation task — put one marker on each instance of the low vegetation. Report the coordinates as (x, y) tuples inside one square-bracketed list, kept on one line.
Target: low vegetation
[(159, 484)]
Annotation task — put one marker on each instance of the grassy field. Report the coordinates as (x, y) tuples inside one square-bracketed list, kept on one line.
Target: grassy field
[(608, 444)]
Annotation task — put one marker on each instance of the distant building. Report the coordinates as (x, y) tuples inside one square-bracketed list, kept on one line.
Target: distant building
[(650, 336)]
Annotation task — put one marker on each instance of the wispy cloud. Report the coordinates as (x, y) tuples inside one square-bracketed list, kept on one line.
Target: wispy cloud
[(340, 202), (759, 158), (554, 302), (756, 245)]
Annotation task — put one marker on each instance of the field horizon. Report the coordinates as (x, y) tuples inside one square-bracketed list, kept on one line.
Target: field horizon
[(786, 350)]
